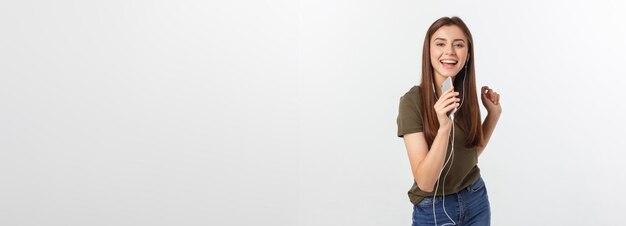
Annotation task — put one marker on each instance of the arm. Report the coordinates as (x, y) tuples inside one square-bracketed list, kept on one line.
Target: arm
[(489, 126), (491, 101), (426, 164)]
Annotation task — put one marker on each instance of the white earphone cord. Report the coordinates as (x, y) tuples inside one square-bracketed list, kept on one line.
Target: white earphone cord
[(450, 157)]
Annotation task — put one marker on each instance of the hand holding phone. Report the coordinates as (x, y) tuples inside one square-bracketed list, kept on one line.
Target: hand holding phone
[(445, 86)]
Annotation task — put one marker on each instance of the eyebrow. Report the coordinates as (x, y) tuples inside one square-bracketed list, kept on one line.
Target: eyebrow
[(443, 39)]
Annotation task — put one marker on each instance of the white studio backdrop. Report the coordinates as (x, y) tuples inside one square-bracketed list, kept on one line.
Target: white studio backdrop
[(283, 112), (556, 155)]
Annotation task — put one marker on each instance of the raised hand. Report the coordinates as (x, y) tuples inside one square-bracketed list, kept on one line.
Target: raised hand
[(491, 100)]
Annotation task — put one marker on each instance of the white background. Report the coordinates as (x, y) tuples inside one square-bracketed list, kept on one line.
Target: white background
[(283, 113)]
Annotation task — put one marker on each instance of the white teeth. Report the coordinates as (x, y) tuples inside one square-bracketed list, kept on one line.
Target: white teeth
[(449, 61)]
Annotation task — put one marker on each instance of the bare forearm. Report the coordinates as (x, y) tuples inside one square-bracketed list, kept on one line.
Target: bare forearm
[(489, 125), (428, 170)]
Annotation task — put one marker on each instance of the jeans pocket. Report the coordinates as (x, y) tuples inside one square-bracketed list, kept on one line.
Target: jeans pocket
[(426, 202), (476, 186)]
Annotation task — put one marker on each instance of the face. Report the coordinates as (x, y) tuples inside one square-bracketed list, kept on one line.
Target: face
[(448, 51)]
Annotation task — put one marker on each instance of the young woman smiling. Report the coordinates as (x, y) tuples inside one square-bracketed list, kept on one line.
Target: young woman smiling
[(443, 151)]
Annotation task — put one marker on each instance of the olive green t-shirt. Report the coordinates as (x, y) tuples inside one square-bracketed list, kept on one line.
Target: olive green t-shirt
[(463, 170)]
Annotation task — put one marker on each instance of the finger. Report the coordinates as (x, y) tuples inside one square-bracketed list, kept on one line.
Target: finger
[(450, 107), (485, 90), (450, 101), (497, 98), (449, 95), (492, 95), (444, 103)]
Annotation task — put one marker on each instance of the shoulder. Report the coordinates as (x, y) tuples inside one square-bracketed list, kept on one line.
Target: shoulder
[(414, 94), (410, 115)]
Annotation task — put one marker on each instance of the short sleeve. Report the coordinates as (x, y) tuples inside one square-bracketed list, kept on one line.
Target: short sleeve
[(409, 115)]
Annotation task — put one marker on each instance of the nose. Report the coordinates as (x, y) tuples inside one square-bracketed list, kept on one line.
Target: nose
[(449, 50)]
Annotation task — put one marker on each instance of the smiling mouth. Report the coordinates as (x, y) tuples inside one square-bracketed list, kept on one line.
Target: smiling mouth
[(448, 63)]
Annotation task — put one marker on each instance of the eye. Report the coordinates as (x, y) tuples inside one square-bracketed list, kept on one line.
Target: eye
[(460, 45), (439, 44)]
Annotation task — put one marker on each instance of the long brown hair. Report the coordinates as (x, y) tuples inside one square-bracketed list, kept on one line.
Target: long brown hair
[(468, 116)]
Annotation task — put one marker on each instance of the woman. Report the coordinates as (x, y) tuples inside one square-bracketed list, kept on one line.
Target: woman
[(447, 187)]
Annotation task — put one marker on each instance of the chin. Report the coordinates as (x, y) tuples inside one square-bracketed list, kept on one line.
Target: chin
[(449, 74), (452, 74)]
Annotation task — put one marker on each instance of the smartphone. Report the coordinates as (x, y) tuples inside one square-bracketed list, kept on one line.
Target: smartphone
[(445, 86)]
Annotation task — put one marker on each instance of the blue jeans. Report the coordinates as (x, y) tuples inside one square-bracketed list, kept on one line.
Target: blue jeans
[(468, 207)]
